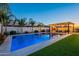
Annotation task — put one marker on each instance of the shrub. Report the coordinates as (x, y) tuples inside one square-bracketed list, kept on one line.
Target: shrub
[(12, 32), (36, 31), (26, 32), (6, 33), (1, 38), (42, 30)]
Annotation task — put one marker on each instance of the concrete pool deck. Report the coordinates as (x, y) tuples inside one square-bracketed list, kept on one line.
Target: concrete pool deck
[(6, 46)]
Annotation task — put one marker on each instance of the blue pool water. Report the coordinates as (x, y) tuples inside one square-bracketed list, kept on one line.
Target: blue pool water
[(22, 41)]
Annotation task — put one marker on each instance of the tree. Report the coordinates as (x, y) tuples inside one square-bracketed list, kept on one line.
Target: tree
[(4, 15), (1, 21), (15, 21), (6, 21), (32, 23), (21, 23), (40, 25)]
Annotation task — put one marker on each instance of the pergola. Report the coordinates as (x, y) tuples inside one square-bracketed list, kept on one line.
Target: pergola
[(67, 24)]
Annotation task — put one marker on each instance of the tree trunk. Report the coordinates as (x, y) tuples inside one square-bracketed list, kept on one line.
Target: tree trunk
[(32, 29), (21, 29), (1, 26), (5, 28)]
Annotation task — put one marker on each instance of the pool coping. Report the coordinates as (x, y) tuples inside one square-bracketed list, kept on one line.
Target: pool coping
[(28, 50)]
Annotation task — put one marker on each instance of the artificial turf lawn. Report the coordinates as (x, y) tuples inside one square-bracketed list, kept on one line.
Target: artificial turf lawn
[(68, 46)]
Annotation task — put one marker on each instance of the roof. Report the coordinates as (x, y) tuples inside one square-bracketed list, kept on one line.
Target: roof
[(62, 23)]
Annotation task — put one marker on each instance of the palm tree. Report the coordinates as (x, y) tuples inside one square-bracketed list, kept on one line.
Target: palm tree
[(4, 15), (32, 23), (6, 21), (40, 25), (1, 21), (21, 23), (15, 21)]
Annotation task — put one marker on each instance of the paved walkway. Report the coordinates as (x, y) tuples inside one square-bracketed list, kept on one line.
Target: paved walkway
[(5, 48)]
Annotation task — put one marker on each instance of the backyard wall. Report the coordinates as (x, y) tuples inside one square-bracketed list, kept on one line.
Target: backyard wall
[(19, 29), (22, 29)]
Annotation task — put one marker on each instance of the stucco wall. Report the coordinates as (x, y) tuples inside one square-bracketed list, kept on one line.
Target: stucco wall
[(23, 29)]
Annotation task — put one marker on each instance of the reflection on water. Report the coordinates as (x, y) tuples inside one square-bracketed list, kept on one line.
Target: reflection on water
[(22, 41)]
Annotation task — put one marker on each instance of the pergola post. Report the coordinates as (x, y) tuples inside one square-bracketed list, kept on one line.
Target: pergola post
[(50, 32), (57, 28), (68, 28), (73, 27)]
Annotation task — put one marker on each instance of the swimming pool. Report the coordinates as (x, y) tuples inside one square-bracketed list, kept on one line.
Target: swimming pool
[(21, 41)]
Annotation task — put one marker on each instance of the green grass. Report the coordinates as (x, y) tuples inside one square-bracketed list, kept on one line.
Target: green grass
[(69, 46)]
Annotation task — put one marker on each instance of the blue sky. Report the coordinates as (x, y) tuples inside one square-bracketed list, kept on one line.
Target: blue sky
[(47, 13)]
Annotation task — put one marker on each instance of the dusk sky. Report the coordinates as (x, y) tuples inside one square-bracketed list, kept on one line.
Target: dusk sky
[(47, 13)]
